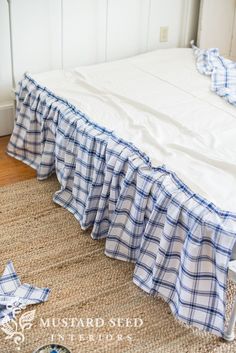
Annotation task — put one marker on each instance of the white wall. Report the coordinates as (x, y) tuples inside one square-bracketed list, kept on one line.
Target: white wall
[(93, 31), (5, 67), (233, 41)]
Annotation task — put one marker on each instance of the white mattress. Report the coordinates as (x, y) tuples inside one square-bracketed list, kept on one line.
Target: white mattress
[(159, 102)]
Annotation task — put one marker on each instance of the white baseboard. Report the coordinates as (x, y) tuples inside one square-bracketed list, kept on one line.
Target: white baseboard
[(6, 118)]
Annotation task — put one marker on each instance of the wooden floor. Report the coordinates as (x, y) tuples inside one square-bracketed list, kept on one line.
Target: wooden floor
[(12, 170)]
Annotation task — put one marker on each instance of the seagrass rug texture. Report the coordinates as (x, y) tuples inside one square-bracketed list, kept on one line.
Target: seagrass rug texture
[(93, 306)]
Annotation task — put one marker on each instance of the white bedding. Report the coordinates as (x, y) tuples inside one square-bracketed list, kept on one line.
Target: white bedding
[(160, 103)]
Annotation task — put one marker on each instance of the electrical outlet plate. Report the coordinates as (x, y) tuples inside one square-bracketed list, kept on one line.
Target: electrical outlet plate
[(164, 34)]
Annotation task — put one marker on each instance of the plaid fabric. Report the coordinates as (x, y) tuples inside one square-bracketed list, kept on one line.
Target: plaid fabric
[(221, 70), (223, 81), (206, 59), (180, 243), (15, 295)]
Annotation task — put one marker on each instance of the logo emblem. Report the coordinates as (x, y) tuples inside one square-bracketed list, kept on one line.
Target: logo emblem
[(15, 329), (52, 348)]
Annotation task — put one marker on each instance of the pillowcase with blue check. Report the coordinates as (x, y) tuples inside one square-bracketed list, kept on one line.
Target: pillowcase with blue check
[(222, 72)]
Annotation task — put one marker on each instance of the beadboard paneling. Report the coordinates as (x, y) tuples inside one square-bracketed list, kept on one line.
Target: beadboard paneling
[(133, 26)]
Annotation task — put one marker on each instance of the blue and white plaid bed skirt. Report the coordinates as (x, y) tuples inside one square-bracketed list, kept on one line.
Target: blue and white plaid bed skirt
[(180, 243)]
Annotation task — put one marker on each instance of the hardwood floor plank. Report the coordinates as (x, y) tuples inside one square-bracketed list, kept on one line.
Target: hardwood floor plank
[(12, 170)]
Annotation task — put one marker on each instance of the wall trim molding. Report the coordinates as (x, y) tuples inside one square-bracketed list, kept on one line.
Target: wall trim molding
[(6, 118), (185, 23), (187, 26)]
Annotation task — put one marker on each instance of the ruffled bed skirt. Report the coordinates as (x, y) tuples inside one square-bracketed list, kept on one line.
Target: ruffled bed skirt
[(180, 243)]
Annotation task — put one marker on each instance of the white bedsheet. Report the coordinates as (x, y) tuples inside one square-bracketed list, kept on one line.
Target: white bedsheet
[(159, 102)]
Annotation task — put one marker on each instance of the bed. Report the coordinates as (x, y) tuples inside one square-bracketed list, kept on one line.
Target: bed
[(145, 154)]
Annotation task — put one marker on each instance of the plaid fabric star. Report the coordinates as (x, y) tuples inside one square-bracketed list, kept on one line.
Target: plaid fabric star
[(14, 295)]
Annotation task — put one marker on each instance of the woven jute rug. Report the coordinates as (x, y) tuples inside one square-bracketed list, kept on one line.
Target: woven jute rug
[(93, 306)]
